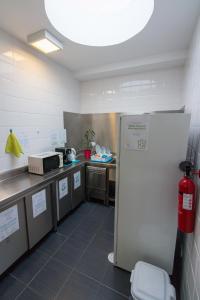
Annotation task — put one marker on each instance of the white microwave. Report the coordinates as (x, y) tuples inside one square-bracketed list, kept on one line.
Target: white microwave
[(42, 163)]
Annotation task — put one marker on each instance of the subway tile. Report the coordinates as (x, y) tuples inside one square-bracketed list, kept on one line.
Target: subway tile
[(34, 92), (182, 296), (19, 119), (194, 256), (198, 201), (191, 274), (197, 277), (187, 292), (6, 70), (189, 241), (191, 281), (184, 273), (139, 92), (17, 104), (197, 233), (195, 295)]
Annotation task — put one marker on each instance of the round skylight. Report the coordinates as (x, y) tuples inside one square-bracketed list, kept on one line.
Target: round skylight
[(99, 22)]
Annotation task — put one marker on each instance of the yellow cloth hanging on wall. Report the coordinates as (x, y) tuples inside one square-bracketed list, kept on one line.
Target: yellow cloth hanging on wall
[(13, 146)]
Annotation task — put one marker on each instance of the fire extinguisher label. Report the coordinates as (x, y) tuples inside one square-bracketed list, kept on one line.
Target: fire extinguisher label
[(187, 201)]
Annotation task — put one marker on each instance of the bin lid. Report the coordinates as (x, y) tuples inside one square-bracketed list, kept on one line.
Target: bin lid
[(149, 282)]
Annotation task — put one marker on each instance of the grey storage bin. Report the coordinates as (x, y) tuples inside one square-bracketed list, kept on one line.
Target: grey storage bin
[(64, 196), (39, 214), (13, 237)]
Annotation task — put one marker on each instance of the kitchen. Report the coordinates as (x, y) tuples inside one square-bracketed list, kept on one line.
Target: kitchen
[(89, 228)]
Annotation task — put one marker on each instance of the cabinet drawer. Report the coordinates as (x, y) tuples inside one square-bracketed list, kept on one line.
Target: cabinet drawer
[(13, 237), (96, 178), (64, 201), (78, 186), (39, 214)]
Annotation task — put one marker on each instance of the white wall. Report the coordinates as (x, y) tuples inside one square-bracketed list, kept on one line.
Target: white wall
[(34, 92), (136, 93), (191, 266)]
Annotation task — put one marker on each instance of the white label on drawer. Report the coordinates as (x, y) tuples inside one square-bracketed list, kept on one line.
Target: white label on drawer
[(39, 203), (9, 222), (187, 201), (63, 187), (77, 180)]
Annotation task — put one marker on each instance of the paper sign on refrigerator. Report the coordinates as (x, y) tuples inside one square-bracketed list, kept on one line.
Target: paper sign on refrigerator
[(63, 187), (9, 222), (136, 134), (39, 203), (77, 180)]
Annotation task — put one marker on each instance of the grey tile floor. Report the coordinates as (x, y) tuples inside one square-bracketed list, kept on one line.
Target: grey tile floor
[(72, 263)]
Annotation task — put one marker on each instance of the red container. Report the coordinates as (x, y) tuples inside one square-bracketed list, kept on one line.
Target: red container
[(87, 153)]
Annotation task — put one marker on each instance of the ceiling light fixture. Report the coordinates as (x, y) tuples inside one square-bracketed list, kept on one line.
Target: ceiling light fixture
[(99, 22), (44, 41)]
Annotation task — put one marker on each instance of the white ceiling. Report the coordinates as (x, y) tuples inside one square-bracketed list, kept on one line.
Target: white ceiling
[(169, 31)]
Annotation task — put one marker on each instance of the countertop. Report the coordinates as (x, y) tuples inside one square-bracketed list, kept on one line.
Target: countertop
[(17, 186)]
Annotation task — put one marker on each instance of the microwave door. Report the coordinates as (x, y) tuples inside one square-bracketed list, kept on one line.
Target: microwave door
[(51, 163)]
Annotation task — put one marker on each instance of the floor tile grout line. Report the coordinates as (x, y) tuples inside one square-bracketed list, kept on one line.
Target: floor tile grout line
[(52, 257), (48, 260), (85, 249), (17, 279), (47, 253), (102, 284), (58, 233), (27, 285), (74, 268), (67, 265), (35, 291)]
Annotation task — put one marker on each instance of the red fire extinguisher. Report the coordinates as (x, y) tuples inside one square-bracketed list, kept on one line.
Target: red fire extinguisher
[(186, 202)]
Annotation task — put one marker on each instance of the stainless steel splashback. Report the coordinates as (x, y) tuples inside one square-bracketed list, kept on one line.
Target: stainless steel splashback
[(72, 123), (105, 126)]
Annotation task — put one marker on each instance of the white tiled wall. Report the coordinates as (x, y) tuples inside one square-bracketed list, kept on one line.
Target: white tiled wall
[(191, 266), (135, 93), (34, 92)]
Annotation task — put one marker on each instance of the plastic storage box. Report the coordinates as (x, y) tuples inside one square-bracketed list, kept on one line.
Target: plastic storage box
[(151, 283)]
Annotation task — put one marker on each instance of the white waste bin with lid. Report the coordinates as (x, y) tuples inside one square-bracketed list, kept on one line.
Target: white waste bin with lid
[(151, 283)]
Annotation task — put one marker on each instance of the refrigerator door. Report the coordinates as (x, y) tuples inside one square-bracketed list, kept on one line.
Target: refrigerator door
[(151, 148)]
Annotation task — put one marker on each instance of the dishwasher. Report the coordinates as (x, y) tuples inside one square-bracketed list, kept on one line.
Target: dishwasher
[(97, 183)]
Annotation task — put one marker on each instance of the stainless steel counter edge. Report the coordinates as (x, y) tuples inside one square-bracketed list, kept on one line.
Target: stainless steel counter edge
[(16, 187)]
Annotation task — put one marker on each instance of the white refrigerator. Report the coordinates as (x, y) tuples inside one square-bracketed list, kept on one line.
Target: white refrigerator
[(151, 147)]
